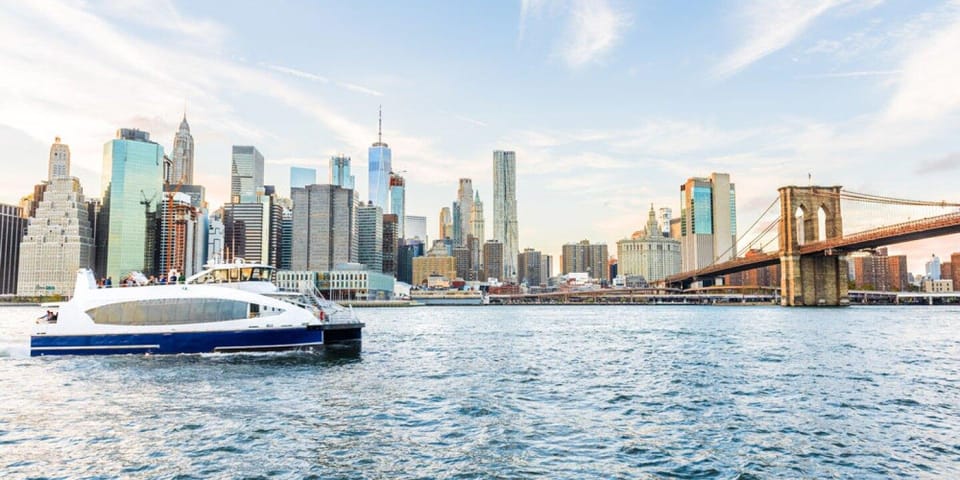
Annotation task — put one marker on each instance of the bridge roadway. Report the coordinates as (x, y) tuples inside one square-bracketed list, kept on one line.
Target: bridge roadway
[(626, 296), (888, 235)]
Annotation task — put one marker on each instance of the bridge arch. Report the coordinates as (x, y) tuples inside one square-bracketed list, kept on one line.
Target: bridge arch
[(811, 215)]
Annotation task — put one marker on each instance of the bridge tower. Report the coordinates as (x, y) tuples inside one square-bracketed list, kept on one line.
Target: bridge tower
[(813, 279)]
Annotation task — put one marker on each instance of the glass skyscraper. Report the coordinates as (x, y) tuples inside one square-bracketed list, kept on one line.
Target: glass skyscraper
[(398, 199), (246, 174), (301, 177), (340, 172), (132, 186), (708, 221), (378, 157)]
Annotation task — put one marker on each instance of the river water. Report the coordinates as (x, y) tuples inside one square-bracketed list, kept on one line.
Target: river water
[(510, 392)]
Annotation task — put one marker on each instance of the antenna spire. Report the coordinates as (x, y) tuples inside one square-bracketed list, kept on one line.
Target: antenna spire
[(380, 125)]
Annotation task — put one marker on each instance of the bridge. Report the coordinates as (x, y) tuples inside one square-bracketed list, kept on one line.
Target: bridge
[(812, 245)]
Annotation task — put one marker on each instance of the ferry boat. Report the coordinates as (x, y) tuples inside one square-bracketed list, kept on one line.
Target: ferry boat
[(194, 317), (448, 297)]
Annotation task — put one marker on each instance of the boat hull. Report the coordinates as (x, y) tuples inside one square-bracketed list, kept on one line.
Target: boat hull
[(301, 338)]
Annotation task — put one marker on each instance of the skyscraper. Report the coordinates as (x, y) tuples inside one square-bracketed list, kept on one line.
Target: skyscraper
[(324, 227), (398, 201), (476, 218), (505, 228), (59, 164), (182, 236), (446, 223), (12, 227), (340, 172), (492, 260), (132, 189), (246, 174), (301, 177), (181, 167), (649, 253), (465, 206), (370, 236), (415, 227), (391, 243), (286, 239), (708, 221), (457, 225), (530, 263), (585, 257), (379, 168), (666, 214)]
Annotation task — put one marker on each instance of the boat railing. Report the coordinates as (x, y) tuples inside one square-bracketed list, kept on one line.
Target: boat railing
[(312, 299)]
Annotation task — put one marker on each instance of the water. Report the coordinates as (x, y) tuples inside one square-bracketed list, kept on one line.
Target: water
[(511, 392)]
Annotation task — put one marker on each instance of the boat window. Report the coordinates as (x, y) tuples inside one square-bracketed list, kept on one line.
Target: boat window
[(220, 276), (245, 274), (234, 274), (169, 311)]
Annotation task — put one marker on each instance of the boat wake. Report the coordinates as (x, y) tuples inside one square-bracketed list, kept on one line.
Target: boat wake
[(10, 348)]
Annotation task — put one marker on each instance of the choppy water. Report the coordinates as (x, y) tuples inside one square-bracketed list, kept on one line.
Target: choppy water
[(511, 392)]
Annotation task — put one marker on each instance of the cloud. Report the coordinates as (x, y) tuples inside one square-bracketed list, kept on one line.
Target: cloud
[(592, 28), (296, 73), (770, 25), (470, 120), (855, 74), (936, 166), (359, 89)]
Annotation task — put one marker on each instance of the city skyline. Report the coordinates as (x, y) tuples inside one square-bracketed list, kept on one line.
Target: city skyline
[(840, 90)]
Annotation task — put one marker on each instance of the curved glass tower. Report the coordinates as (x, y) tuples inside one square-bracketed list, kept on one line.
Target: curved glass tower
[(379, 169)]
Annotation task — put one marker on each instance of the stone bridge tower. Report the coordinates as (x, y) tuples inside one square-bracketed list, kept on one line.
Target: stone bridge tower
[(818, 278)]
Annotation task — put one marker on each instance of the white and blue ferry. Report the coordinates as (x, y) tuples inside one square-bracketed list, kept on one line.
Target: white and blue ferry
[(198, 316)]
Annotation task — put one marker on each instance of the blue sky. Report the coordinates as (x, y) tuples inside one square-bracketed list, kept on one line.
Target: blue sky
[(610, 105)]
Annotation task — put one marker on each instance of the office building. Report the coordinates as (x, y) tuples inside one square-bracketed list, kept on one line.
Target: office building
[(340, 172), (529, 268), (59, 241), (546, 268), (181, 161), (324, 227), (12, 228), (301, 177), (505, 229), (585, 257), (475, 247), (476, 218), (415, 228), (446, 223), (464, 205), (253, 229), (666, 216), (408, 250), (132, 188), (424, 267), (955, 270), (59, 164), (649, 253), (197, 193), (391, 243), (708, 221), (215, 241), (286, 239), (379, 169), (398, 199), (492, 260), (182, 242), (932, 268), (246, 174), (370, 237)]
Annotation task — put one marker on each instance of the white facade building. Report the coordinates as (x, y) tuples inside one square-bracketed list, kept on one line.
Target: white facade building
[(649, 253)]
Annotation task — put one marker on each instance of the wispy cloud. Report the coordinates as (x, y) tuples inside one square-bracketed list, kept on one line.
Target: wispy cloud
[(856, 74), (768, 26), (360, 89), (296, 73), (939, 165), (592, 28)]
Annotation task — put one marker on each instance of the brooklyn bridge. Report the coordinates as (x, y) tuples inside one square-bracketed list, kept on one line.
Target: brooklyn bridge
[(813, 242)]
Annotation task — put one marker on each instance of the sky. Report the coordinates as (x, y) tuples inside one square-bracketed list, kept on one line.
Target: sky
[(610, 105)]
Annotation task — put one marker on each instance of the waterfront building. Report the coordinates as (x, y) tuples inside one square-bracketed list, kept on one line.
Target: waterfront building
[(932, 268), (398, 199), (880, 271), (59, 241), (530, 265), (246, 174), (391, 243), (758, 277), (446, 223), (505, 228), (937, 286), (408, 250), (708, 221), (286, 239), (132, 187), (181, 163), (433, 265), (648, 252), (349, 281), (324, 227), (12, 265), (58, 165), (215, 241), (946, 271), (182, 239), (301, 177), (465, 207), (415, 228), (379, 168), (493, 252), (584, 257), (370, 236), (340, 172)]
